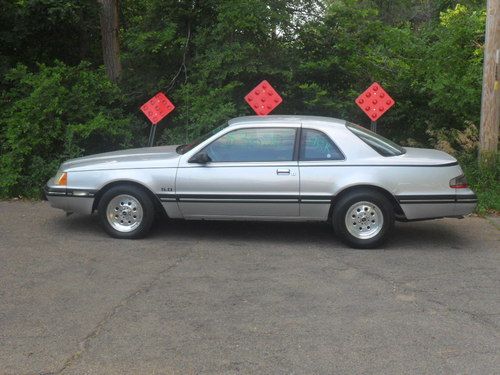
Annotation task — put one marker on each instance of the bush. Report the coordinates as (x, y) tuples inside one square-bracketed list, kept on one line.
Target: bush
[(57, 113), (483, 179)]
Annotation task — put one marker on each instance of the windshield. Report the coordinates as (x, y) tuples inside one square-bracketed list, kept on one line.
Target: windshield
[(380, 144), (182, 149)]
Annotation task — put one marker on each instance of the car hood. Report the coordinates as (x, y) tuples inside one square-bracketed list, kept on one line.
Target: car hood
[(147, 157)]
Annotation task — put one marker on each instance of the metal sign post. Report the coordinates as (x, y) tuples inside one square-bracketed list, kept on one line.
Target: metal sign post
[(374, 102), (152, 133), (156, 109)]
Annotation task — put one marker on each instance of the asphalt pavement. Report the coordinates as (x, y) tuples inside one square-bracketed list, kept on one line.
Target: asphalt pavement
[(245, 298)]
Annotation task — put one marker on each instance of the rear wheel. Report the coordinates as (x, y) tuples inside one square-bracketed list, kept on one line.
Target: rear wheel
[(126, 212), (363, 218)]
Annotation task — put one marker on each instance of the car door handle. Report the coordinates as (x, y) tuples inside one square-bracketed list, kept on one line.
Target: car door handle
[(282, 171)]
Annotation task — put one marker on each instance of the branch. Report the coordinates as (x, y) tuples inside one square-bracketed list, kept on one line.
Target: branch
[(183, 64)]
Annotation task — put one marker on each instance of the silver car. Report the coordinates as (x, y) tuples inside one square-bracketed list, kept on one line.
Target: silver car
[(296, 168)]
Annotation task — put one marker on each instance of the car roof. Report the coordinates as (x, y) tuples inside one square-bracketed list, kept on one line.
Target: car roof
[(285, 118)]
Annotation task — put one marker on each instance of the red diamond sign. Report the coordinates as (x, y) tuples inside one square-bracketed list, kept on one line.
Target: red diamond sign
[(157, 108), (375, 101), (263, 98)]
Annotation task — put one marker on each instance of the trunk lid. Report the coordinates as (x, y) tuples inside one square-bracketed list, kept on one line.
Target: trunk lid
[(426, 156)]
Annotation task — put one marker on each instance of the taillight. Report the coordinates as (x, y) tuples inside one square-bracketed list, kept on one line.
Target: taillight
[(459, 182)]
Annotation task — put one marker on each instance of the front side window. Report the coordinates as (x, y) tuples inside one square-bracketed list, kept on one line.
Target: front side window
[(182, 149), (380, 144), (253, 145), (315, 145)]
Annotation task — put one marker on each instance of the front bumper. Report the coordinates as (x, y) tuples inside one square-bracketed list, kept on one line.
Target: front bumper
[(70, 200)]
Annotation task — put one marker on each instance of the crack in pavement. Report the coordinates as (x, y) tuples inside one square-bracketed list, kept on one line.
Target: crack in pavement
[(84, 344), (479, 318)]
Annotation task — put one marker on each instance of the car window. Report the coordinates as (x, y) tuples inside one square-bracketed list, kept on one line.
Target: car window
[(315, 145), (380, 144), (255, 144), (182, 149)]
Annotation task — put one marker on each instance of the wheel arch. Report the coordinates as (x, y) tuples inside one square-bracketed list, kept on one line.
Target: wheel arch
[(398, 211), (159, 209)]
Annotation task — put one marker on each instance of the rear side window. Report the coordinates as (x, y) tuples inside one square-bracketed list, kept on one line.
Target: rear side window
[(253, 145), (380, 144), (315, 145)]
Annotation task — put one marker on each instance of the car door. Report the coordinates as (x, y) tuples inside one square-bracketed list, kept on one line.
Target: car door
[(253, 174), (319, 160)]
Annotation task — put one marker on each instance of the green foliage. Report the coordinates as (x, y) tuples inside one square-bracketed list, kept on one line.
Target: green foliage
[(60, 112), (484, 180), (206, 55), (454, 86), (39, 31)]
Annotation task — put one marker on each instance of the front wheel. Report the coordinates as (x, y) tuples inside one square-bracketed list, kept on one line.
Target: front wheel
[(363, 219), (126, 212)]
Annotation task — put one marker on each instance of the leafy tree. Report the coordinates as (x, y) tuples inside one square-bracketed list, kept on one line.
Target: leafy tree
[(60, 112), (39, 31), (452, 70)]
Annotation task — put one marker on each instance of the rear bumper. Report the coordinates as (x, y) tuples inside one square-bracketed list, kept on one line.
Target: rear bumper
[(418, 207), (70, 200)]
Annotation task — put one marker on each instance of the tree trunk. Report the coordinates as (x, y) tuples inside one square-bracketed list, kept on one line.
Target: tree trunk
[(108, 14), (490, 106)]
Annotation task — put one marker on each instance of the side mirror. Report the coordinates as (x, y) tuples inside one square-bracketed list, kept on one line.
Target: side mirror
[(201, 158)]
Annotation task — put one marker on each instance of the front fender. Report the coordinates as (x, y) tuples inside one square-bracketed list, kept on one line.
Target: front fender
[(156, 180)]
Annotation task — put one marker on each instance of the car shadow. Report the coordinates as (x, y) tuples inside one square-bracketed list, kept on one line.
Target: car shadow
[(426, 235)]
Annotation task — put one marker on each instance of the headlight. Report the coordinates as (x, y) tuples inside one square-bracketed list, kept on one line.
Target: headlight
[(61, 178)]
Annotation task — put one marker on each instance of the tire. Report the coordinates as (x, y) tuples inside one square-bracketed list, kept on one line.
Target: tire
[(126, 212), (371, 215)]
